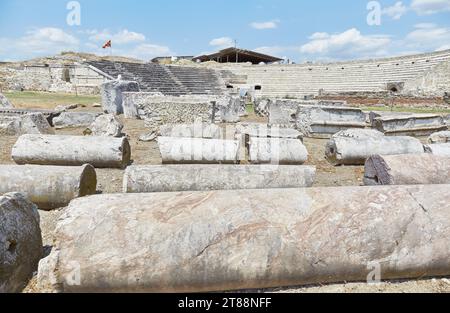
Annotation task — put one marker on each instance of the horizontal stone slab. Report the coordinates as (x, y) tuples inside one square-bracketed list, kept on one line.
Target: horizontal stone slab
[(167, 178), (407, 169), (72, 151), (409, 124), (49, 187), (198, 150), (241, 239)]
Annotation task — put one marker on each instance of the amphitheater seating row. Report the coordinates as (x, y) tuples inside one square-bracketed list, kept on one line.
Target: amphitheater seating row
[(169, 80)]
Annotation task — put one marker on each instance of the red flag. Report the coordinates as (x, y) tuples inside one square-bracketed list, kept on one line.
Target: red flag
[(108, 44)]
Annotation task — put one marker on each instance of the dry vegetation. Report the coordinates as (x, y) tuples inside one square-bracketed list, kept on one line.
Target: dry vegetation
[(110, 181)]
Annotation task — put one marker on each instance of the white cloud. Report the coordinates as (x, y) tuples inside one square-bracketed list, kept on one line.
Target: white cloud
[(396, 11), (427, 36), (50, 41), (348, 44), (426, 7), (222, 42), (122, 37), (149, 51), (38, 42), (265, 25)]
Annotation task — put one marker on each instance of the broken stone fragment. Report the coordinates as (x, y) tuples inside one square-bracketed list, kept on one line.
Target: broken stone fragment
[(74, 119), (4, 103), (100, 152), (106, 125), (407, 169)]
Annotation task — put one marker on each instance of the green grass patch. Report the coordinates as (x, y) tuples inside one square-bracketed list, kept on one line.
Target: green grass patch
[(408, 110), (31, 99), (250, 108)]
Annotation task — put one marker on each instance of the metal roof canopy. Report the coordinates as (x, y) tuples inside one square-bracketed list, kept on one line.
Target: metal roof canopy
[(235, 55)]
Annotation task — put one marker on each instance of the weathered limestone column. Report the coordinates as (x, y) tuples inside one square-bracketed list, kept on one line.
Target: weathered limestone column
[(20, 242), (72, 151), (441, 149), (229, 240), (407, 169), (49, 187), (355, 151), (277, 151), (166, 178), (198, 150), (112, 94)]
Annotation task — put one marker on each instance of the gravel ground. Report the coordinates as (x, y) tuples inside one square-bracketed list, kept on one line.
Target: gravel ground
[(110, 181)]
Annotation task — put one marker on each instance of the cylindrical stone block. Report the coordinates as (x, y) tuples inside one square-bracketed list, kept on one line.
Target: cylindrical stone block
[(49, 187), (277, 151), (355, 151), (167, 178), (198, 150), (230, 240), (20, 242), (407, 169), (100, 152)]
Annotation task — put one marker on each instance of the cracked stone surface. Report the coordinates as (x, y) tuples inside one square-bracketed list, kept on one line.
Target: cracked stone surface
[(230, 240)]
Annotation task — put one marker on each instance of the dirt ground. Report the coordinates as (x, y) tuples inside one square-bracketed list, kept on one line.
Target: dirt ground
[(110, 181)]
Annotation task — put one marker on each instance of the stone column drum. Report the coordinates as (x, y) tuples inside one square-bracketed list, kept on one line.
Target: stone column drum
[(241, 239), (100, 152), (20, 242), (49, 187)]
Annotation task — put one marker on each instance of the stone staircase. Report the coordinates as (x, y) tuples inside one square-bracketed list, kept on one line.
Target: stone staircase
[(169, 80)]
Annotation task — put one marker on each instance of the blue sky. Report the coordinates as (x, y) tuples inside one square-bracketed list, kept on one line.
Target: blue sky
[(299, 30)]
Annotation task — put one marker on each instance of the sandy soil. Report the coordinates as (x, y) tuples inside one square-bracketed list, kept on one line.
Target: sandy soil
[(110, 181)]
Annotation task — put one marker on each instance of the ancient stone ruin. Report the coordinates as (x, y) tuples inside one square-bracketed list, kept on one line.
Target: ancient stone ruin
[(221, 176)]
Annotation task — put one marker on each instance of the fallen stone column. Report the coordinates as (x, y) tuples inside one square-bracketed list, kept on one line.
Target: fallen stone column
[(20, 242), (49, 187), (407, 169), (355, 151), (166, 178), (441, 149), (72, 151), (230, 240), (277, 151), (198, 150), (196, 130)]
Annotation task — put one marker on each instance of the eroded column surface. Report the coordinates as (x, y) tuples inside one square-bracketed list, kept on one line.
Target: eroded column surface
[(241, 239), (186, 177), (277, 151), (355, 151), (197, 150), (408, 169)]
